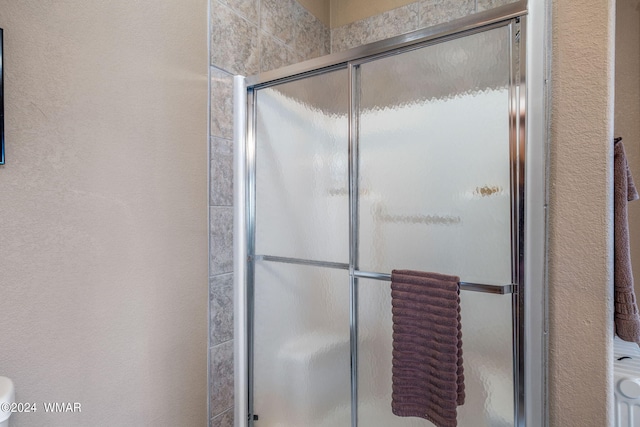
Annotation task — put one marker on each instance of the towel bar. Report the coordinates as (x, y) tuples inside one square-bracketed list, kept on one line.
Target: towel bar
[(465, 286)]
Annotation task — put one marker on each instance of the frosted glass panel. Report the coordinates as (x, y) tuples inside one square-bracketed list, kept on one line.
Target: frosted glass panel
[(434, 181), (301, 353), (434, 194), (487, 355), (302, 204)]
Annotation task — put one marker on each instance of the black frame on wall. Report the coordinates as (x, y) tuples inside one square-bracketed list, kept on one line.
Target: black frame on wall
[(1, 99)]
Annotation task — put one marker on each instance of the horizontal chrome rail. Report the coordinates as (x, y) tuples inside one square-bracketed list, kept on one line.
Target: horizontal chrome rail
[(328, 264), (464, 286)]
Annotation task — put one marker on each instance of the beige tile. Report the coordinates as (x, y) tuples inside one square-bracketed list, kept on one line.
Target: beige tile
[(234, 41), (299, 30), (490, 4), (247, 8), (393, 23), (311, 35), (221, 104), (344, 12), (278, 18), (388, 24), (348, 36), (274, 54), (327, 41), (221, 381), (221, 308), (221, 173), (220, 240), (434, 12), (321, 9), (223, 420)]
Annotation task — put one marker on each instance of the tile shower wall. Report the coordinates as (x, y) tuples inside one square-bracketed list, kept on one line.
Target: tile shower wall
[(251, 36), (414, 16), (247, 37)]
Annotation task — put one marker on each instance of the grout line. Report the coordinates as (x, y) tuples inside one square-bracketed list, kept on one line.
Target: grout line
[(211, 347), (222, 70), (220, 137), (221, 206), (224, 411), (220, 274), (238, 14)]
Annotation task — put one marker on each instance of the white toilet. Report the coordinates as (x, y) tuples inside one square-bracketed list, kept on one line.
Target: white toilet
[(7, 395)]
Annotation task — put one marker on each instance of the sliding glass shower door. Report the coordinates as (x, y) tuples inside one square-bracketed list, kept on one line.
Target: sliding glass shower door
[(301, 312), (434, 194), (404, 159)]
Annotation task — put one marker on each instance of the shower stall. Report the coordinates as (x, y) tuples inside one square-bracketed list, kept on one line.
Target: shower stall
[(409, 153)]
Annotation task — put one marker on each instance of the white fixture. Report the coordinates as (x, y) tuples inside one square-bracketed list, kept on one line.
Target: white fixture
[(7, 396), (626, 374)]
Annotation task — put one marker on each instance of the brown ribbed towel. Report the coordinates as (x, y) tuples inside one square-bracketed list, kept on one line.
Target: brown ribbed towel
[(427, 374), (626, 317)]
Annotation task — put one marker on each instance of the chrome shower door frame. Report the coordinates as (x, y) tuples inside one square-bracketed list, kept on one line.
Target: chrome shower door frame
[(529, 407)]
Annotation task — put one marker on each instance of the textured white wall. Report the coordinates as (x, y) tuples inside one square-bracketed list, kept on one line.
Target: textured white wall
[(627, 121), (580, 214), (103, 207)]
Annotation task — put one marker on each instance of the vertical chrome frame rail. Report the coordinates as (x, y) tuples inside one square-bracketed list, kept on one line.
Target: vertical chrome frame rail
[(250, 195), (529, 406), (537, 41), (354, 131), (240, 265), (518, 162)]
